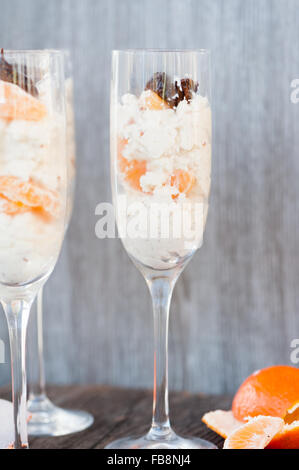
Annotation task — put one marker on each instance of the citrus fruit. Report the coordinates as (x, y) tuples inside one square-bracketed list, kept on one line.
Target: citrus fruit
[(183, 181), (11, 208), (15, 103), (269, 392), (222, 422), (288, 437), (153, 102), (28, 193), (256, 434), (133, 169)]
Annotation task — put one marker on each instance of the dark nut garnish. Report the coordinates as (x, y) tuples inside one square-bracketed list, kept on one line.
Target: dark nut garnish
[(161, 84), (172, 92), (185, 88), (12, 74)]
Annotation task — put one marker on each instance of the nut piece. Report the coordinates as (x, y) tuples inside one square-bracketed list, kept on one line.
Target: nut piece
[(172, 92), (10, 73), (161, 84)]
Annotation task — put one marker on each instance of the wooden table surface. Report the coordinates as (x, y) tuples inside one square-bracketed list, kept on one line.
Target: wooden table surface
[(121, 412)]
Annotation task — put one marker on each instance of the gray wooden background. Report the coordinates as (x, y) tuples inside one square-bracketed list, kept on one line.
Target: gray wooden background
[(236, 307)]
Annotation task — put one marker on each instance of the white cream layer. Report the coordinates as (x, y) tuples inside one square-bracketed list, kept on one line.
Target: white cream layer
[(29, 245), (168, 140)]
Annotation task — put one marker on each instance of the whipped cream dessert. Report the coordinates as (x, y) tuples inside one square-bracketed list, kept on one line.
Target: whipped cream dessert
[(32, 180), (162, 143)]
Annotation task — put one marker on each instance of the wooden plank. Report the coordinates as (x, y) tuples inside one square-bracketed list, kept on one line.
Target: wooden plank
[(122, 412)]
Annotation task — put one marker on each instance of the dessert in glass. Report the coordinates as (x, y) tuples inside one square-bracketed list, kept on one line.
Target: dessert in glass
[(160, 166), (46, 418), (33, 195)]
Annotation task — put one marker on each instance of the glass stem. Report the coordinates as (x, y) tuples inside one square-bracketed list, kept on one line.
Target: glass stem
[(37, 387), (17, 314), (161, 288)]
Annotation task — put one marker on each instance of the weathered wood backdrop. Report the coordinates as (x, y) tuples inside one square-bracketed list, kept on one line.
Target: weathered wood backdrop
[(236, 308)]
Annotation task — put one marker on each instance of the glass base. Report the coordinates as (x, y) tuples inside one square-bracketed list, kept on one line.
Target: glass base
[(47, 419), (170, 441)]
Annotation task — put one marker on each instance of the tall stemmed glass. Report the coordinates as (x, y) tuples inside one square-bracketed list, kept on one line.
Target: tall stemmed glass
[(33, 195), (160, 164), (46, 418)]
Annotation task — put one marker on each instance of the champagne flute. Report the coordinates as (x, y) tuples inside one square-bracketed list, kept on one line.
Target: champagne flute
[(160, 164), (48, 419), (33, 196)]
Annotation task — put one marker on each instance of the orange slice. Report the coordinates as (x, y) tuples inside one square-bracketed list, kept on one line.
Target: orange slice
[(183, 181), (153, 101), (27, 193), (224, 423), (133, 170), (256, 434), (122, 161), (270, 393), (15, 103), (11, 208), (221, 422)]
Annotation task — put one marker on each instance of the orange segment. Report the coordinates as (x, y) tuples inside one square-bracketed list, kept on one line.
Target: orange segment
[(11, 208), (221, 422), (270, 392), (183, 181), (256, 434), (153, 101), (133, 170), (27, 193), (122, 161), (15, 103)]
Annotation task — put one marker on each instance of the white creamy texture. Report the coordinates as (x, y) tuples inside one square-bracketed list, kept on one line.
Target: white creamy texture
[(167, 140), (172, 231), (29, 245), (27, 149)]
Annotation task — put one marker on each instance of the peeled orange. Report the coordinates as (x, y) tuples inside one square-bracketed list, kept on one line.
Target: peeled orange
[(271, 393)]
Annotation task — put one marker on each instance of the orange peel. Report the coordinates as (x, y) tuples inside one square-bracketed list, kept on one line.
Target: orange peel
[(221, 422)]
